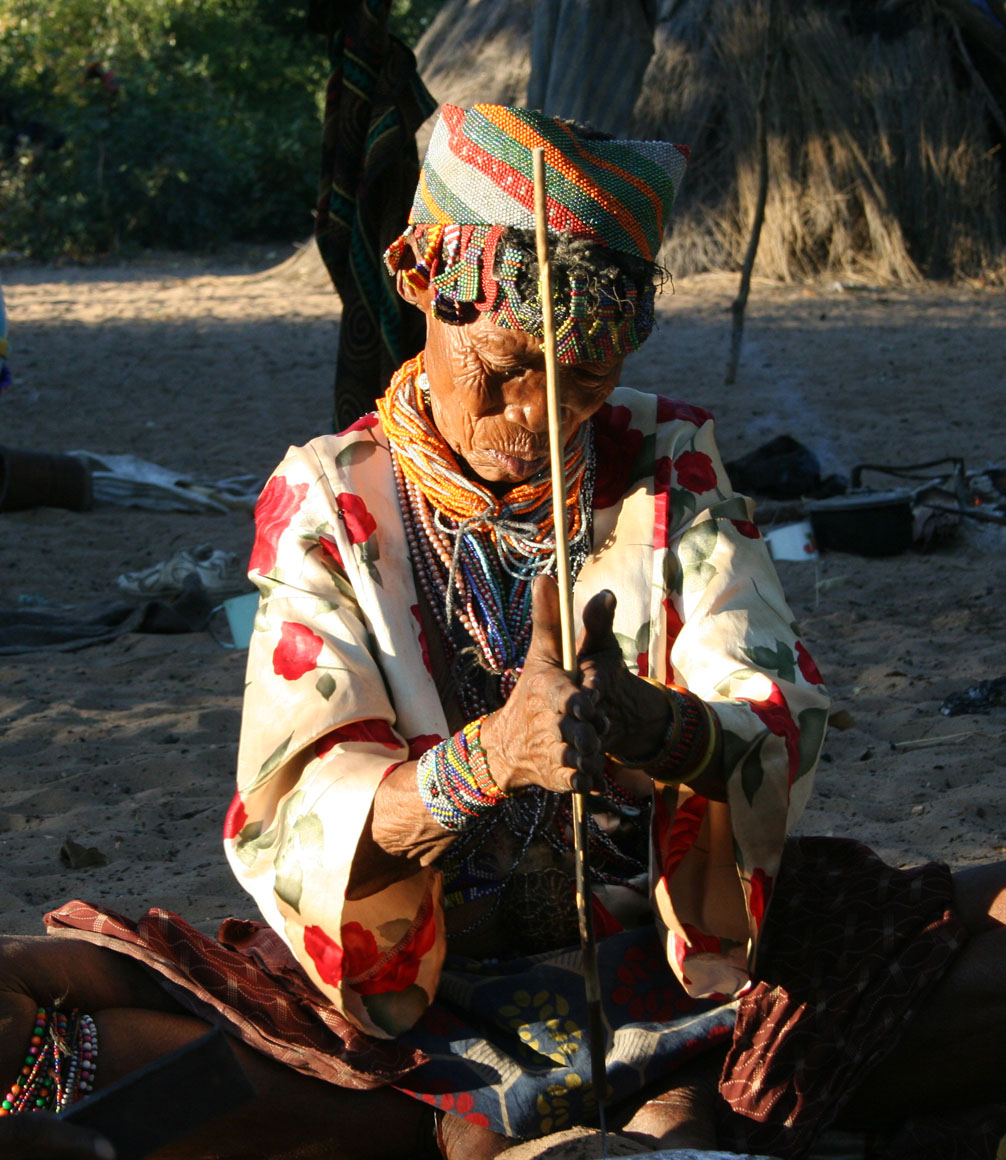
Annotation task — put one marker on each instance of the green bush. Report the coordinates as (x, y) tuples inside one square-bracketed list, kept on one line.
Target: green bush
[(156, 123)]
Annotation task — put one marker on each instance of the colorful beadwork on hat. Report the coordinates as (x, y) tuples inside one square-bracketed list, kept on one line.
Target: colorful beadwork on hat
[(477, 180)]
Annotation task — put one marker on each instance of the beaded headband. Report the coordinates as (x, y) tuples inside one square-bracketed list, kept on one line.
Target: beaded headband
[(477, 180)]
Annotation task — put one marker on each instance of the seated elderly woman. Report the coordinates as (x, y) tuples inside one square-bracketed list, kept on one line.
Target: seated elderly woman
[(410, 741)]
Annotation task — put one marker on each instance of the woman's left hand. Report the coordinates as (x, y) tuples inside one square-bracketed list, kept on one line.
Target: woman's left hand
[(636, 711)]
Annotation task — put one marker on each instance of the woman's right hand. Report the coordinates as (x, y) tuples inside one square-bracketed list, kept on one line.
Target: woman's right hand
[(548, 732), (40, 1136)]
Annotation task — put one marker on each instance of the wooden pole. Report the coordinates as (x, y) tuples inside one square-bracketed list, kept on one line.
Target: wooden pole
[(557, 460), (737, 307)]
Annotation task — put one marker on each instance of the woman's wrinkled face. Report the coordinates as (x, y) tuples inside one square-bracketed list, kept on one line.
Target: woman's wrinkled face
[(487, 388)]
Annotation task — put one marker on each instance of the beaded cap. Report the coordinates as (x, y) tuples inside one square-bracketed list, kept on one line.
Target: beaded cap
[(477, 179)]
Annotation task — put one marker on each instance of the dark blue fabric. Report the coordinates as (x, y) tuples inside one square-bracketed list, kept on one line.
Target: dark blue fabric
[(508, 1042)]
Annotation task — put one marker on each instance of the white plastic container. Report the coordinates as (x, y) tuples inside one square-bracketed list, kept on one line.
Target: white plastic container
[(240, 611), (791, 541)]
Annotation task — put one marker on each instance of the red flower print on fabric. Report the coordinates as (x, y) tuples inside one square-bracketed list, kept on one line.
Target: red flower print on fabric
[(372, 730), (807, 666), (360, 524), (276, 507), (674, 624), (605, 922), (669, 410), (297, 651), (761, 891), (695, 471), (659, 1003), (326, 954), (675, 835), (236, 819), (362, 424), (747, 528), (331, 550), (459, 1104), (696, 942), (774, 713), (661, 501), (401, 969), (615, 448), (419, 745)]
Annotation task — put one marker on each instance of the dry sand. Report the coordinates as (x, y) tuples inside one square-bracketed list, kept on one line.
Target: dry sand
[(205, 368)]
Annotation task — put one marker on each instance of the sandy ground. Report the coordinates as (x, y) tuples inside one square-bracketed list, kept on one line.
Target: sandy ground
[(211, 369)]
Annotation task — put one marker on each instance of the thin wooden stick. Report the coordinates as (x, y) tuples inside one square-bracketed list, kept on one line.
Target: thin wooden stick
[(557, 459), (737, 307), (556, 449)]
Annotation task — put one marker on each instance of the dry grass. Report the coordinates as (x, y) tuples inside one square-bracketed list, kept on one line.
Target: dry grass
[(476, 51), (884, 162)]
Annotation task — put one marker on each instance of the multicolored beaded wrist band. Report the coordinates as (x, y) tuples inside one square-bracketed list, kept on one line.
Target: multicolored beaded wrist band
[(689, 742), (59, 1066), (454, 780)]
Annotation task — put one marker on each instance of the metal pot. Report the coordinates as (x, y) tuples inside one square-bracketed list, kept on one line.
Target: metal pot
[(875, 523)]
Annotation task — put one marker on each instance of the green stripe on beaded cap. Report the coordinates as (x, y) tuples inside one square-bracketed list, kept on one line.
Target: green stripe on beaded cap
[(478, 171), (477, 179)]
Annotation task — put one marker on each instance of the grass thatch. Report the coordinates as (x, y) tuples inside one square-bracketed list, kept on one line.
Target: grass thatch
[(886, 157), (881, 153), (476, 51)]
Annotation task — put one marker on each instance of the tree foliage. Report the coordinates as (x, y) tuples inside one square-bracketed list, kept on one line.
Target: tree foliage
[(156, 123), (411, 18)]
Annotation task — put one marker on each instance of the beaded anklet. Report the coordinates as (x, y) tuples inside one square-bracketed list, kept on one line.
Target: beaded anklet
[(454, 780), (59, 1067), (689, 741)]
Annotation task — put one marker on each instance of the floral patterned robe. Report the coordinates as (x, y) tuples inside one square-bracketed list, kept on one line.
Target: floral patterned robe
[(339, 691)]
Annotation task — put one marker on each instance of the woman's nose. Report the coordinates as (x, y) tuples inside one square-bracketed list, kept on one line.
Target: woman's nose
[(525, 403)]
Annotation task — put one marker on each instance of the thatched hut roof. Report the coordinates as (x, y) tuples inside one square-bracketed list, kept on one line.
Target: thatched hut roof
[(886, 127)]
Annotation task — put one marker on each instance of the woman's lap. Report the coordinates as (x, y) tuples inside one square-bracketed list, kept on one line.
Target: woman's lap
[(864, 990)]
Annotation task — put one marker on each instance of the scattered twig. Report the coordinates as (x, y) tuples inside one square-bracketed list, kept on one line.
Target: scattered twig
[(971, 512), (926, 742)]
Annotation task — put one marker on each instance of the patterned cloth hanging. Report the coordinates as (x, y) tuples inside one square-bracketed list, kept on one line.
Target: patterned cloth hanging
[(374, 104)]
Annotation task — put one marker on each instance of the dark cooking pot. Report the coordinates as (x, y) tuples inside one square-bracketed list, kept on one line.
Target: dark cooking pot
[(876, 523)]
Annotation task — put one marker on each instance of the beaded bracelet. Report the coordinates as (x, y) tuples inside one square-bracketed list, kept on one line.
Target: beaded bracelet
[(454, 780), (59, 1065), (689, 742)]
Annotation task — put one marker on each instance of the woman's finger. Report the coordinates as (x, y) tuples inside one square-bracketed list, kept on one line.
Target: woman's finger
[(587, 769), (584, 782), (582, 705), (546, 630), (581, 736), (598, 618)]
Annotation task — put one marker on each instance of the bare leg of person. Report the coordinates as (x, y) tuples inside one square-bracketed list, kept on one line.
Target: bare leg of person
[(675, 1113), (952, 1055), (679, 1113), (459, 1139), (137, 1022)]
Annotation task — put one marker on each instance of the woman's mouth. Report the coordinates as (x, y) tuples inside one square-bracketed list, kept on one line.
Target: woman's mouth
[(516, 466)]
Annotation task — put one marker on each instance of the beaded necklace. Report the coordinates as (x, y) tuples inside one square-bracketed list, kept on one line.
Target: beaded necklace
[(476, 555)]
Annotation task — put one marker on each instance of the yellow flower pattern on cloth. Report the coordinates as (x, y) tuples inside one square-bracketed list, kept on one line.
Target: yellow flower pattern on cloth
[(542, 1021), (554, 1104)]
